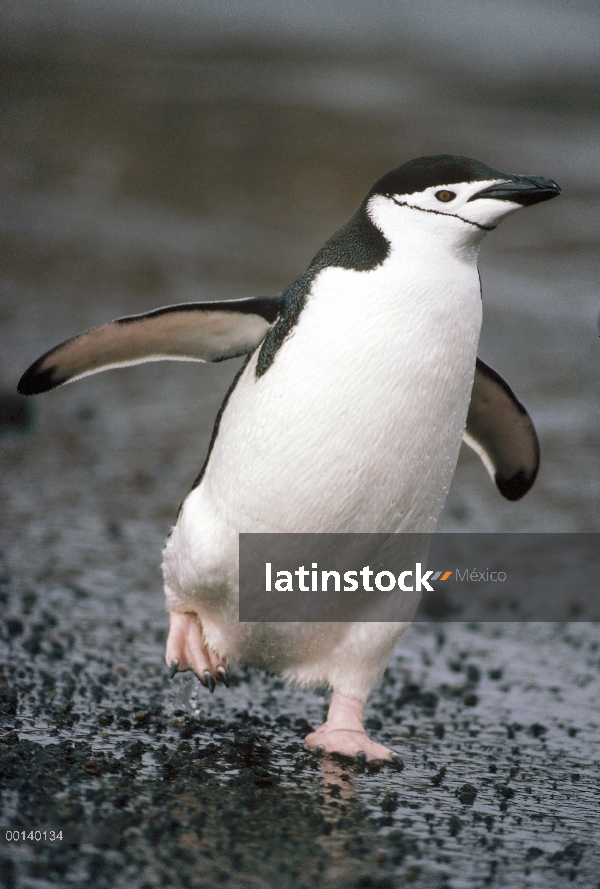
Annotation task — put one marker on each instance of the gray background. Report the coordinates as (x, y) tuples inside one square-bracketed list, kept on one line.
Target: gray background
[(153, 153)]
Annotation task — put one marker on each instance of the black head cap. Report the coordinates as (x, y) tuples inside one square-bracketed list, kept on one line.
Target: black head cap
[(439, 169)]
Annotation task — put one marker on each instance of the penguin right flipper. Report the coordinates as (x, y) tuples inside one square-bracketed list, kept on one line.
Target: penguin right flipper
[(209, 331), (500, 430)]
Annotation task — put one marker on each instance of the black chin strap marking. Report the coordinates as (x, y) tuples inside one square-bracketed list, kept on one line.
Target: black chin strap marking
[(484, 228)]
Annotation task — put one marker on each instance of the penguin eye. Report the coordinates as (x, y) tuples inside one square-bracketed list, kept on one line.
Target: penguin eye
[(445, 196)]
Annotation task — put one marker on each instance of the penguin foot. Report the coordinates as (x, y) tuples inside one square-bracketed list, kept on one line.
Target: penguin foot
[(355, 744), (187, 650), (344, 733)]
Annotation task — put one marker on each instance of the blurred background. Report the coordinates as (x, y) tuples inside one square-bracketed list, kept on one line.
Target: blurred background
[(162, 151), (154, 152)]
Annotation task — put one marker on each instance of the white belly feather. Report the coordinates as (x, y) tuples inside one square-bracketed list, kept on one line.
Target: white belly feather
[(355, 427)]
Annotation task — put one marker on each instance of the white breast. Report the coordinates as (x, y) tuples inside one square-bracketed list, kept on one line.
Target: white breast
[(356, 426)]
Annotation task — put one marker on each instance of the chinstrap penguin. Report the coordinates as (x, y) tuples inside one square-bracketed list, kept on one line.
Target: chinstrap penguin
[(360, 383)]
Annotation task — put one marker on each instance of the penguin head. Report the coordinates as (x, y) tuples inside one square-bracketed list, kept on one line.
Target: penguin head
[(462, 188)]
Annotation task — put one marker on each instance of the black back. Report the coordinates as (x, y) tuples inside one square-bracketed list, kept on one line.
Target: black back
[(358, 245)]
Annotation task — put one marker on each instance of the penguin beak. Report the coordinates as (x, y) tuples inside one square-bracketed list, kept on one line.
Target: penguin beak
[(524, 190)]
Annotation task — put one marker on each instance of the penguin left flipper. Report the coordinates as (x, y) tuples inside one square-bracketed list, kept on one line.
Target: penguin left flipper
[(500, 430), (208, 331)]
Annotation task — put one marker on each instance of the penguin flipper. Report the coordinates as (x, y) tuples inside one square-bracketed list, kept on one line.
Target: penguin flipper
[(500, 430), (209, 331)]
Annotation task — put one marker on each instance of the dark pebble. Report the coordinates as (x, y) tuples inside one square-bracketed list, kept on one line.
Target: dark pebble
[(473, 674), (439, 777), (14, 626), (512, 729), (537, 730), (572, 852), (504, 791), (467, 794), (389, 803), (8, 700), (455, 825)]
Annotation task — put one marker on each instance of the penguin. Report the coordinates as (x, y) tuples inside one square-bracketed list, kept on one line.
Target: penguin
[(360, 382)]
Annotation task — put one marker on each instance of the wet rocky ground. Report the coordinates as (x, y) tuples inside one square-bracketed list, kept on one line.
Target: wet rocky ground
[(497, 727), (141, 175)]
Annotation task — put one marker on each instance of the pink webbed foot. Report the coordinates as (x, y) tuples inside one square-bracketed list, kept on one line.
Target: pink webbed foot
[(344, 733), (187, 650)]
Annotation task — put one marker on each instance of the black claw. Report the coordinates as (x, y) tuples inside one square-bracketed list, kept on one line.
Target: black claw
[(361, 757), (319, 749), (173, 668), (223, 676), (398, 762), (208, 680)]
